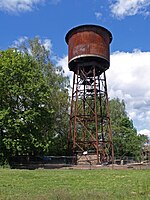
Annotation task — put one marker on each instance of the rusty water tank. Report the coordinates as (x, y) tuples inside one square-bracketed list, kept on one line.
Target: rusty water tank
[(89, 45)]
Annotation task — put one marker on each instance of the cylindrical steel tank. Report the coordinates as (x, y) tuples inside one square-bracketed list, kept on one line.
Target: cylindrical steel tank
[(88, 45)]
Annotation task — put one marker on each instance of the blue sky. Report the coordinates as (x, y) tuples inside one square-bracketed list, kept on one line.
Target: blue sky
[(53, 18), (129, 22)]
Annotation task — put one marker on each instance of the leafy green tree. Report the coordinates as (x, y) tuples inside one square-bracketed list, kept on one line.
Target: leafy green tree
[(26, 115), (59, 100), (117, 110), (126, 140), (33, 102)]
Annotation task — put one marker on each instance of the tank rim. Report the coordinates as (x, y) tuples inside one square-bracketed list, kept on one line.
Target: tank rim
[(87, 56), (86, 26)]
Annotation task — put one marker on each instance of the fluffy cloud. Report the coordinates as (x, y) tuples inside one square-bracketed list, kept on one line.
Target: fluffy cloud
[(15, 6), (123, 8), (145, 132), (63, 62), (128, 79)]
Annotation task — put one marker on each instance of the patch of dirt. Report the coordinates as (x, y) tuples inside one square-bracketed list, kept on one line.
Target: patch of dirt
[(115, 166)]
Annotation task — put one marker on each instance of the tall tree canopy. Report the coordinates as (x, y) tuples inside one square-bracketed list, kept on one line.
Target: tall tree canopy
[(34, 102), (54, 76)]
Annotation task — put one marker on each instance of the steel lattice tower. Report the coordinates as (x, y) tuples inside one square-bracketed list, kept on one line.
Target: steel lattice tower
[(90, 133)]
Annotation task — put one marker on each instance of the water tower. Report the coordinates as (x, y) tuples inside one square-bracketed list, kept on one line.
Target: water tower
[(90, 135)]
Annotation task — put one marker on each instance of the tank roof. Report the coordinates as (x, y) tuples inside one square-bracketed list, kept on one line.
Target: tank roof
[(86, 28)]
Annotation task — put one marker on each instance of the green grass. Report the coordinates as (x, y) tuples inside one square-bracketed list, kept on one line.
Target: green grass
[(74, 184)]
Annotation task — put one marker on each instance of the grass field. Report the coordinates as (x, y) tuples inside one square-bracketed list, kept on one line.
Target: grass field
[(74, 184)]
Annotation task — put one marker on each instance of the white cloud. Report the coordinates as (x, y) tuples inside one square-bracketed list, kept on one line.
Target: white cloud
[(145, 132), (98, 15), (63, 62), (15, 6), (123, 8), (128, 79)]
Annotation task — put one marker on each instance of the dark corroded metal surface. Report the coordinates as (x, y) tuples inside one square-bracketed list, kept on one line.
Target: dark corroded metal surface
[(88, 43)]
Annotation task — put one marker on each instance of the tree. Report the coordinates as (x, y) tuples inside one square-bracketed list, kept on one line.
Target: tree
[(28, 123), (59, 98), (126, 140), (26, 115), (117, 110)]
